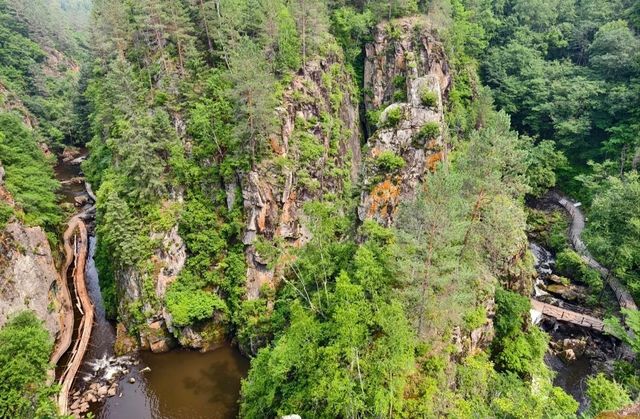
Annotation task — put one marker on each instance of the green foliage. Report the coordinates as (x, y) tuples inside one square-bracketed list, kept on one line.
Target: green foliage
[(614, 227), (389, 162), (475, 318), (6, 212), (605, 395), (190, 306), (544, 163), (517, 348), (351, 28), (632, 322), (428, 97), (428, 132), (392, 116), (25, 347), (29, 175), (571, 264), (335, 339), (387, 9)]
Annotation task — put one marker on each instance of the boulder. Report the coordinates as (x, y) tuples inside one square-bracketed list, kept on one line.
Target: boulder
[(124, 343), (578, 346), (560, 280), (81, 200), (566, 292), (568, 355), (112, 390)]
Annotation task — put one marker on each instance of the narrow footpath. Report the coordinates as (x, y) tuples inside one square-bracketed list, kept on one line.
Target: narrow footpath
[(575, 231)]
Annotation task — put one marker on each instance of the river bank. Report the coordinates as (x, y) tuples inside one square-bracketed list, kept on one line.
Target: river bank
[(176, 384)]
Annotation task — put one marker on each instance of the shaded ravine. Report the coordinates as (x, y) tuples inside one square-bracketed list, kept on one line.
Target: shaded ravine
[(178, 384), (77, 315), (599, 348)]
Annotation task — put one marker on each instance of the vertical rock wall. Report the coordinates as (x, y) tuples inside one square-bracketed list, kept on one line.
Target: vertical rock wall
[(28, 274), (406, 79), (315, 156)]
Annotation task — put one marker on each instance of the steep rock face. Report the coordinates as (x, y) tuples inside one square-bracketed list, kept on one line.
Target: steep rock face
[(27, 271), (169, 258), (315, 156), (406, 78), (28, 275)]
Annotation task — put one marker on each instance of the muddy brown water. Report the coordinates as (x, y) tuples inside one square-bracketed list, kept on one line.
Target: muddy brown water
[(180, 384)]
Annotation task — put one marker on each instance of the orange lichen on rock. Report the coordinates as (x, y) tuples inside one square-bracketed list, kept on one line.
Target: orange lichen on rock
[(276, 146), (434, 159), (384, 198)]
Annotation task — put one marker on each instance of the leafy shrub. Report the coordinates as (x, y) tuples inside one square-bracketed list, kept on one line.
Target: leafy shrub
[(399, 81), (25, 347), (558, 239), (604, 395), (393, 117), (475, 318), (373, 116), (625, 373), (189, 306), (429, 131), (428, 97), (570, 263), (5, 214), (400, 96), (389, 162)]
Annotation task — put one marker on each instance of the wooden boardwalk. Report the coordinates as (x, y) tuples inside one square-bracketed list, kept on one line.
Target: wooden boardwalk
[(76, 244), (575, 231), (568, 316)]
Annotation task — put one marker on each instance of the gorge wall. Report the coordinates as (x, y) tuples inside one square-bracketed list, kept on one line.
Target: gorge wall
[(406, 79)]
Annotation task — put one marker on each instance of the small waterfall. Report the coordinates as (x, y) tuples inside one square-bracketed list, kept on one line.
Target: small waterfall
[(544, 263)]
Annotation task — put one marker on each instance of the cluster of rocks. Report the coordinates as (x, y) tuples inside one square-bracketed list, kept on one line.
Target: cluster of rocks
[(80, 401), (569, 349), (563, 288), (104, 378), (73, 155)]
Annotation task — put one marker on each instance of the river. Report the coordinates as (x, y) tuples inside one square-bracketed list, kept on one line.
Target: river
[(180, 384)]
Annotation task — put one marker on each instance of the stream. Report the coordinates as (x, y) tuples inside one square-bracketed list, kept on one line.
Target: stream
[(173, 385), (599, 351)]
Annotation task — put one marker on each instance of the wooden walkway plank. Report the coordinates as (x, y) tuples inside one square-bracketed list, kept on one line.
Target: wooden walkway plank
[(568, 316)]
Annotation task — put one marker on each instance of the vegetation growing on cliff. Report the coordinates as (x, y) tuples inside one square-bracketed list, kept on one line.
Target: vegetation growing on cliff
[(29, 176), (222, 139), (25, 346)]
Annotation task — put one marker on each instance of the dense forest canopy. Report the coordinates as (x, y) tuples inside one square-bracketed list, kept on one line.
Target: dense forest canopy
[(194, 110)]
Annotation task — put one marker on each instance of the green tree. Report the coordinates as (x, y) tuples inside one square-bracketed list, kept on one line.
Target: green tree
[(25, 347), (605, 395)]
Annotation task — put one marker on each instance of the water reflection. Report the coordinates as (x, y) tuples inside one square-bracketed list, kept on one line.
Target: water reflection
[(181, 384)]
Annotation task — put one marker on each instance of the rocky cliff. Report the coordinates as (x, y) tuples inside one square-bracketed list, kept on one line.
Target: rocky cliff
[(406, 78), (156, 331), (316, 156), (28, 275)]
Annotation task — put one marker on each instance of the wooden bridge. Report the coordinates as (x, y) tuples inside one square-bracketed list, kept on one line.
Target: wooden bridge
[(622, 294), (568, 316)]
